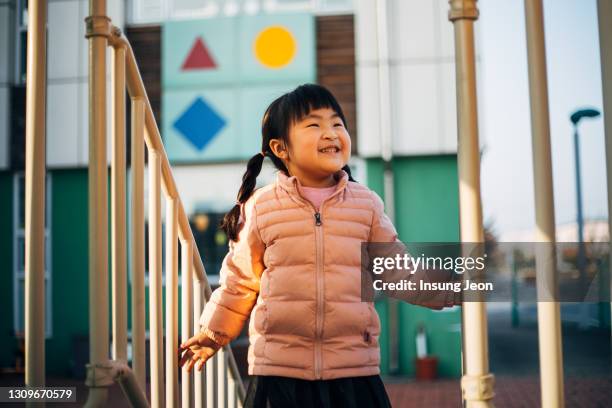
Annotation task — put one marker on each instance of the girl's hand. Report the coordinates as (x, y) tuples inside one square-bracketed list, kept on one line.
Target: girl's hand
[(197, 350)]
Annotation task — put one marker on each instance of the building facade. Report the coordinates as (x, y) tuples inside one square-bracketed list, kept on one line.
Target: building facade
[(348, 57)]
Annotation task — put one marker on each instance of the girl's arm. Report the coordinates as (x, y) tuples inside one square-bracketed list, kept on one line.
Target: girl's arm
[(231, 303), (383, 231)]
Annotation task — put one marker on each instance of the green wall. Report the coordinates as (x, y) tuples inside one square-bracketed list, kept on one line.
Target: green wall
[(427, 210), (68, 271), (8, 344), (69, 274)]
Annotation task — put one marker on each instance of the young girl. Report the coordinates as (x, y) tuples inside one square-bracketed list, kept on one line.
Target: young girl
[(294, 266)]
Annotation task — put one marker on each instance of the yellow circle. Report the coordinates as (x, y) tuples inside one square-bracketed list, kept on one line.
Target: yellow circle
[(274, 47)]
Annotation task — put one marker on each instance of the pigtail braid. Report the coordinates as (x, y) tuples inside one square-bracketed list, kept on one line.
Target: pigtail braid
[(230, 223), (348, 170)]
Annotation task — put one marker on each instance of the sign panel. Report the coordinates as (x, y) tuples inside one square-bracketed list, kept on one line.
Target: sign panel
[(220, 74)]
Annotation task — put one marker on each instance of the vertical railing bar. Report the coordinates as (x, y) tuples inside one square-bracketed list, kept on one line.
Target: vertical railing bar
[(155, 281), (211, 381), (477, 382), (98, 28), (199, 386), (118, 222), (550, 339), (222, 378), (35, 196), (186, 316), (231, 390), (171, 302), (137, 244)]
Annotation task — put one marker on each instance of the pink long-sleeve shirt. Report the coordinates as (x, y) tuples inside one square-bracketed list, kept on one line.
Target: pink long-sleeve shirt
[(316, 195)]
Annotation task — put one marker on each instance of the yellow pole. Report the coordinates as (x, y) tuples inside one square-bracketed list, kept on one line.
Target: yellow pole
[(604, 12), (549, 327), (186, 316), (156, 325), (98, 30), (118, 222), (35, 195), (199, 384), (138, 244), (477, 382), (171, 302)]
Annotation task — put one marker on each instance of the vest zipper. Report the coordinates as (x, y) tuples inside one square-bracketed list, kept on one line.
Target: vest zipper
[(320, 287)]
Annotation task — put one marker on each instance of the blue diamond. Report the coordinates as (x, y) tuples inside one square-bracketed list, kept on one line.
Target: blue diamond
[(199, 123)]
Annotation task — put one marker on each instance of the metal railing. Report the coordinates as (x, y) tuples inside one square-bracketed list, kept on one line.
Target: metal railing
[(220, 384)]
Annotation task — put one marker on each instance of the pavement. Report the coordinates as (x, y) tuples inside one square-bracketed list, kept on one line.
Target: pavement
[(513, 358)]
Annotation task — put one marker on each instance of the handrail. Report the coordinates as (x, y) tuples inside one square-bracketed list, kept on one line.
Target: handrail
[(224, 359)]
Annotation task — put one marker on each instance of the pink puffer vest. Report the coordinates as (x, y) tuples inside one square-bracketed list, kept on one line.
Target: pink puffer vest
[(296, 273)]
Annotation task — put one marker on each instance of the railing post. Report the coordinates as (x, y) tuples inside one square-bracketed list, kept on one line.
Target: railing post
[(172, 302), (211, 381), (477, 382), (231, 392), (222, 377), (199, 385), (35, 195), (98, 31), (155, 281), (138, 244), (186, 315), (549, 322), (118, 221)]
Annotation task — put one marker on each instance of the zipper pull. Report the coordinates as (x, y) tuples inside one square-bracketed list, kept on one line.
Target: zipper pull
[(317, 218)]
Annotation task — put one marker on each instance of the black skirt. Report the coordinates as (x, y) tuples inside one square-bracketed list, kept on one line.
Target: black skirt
[(283, 392)]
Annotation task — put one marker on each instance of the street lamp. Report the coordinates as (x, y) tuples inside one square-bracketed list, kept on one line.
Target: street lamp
[(575, 118)]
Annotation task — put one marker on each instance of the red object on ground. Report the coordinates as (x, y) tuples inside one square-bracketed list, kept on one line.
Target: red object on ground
[(426, 368)]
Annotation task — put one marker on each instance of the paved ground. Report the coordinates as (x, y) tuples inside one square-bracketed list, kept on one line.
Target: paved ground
[(513, 359), (510, 392)]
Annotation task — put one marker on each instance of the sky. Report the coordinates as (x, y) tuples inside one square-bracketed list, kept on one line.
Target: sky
[(574, 82)]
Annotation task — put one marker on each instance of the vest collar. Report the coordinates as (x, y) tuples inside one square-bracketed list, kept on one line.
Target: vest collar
[(293, 186)]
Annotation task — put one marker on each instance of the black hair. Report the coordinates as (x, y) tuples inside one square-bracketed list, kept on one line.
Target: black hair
[(282, 113)]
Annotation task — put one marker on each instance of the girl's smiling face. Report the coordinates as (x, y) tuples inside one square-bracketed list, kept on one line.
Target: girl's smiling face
[(319, 147)]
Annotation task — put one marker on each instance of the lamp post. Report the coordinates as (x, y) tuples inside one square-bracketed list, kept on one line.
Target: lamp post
[(575, 118)]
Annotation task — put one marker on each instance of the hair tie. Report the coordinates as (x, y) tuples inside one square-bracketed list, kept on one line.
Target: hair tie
[(263, 154), (238, 202)]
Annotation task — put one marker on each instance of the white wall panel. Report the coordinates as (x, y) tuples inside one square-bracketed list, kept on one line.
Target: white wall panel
[(446, 33), (116, 11), (422, 77), (63, 40), (83, 46), (415, 107), (448, 108), (62, 125), (367, 107), (365, 31), (412, 29)]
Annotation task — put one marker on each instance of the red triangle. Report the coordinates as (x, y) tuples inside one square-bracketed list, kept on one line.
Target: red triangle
[(199, 57)]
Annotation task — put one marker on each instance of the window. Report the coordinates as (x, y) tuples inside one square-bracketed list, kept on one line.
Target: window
[(21, 42), (19, 254), (21, 47)]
